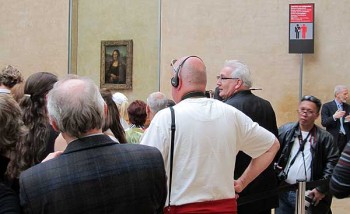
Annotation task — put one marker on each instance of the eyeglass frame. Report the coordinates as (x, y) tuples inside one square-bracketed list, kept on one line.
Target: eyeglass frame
[(218, 77), (172, 63), (305, 111)]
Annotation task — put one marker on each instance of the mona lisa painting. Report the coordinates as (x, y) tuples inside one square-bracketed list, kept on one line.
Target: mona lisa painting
[(116, 64)]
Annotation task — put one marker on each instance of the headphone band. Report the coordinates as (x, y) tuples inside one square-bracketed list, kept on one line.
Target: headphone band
[(175, 79)]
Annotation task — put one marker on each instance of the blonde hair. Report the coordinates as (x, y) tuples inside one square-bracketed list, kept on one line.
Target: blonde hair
[(122, 103), (123, 110)]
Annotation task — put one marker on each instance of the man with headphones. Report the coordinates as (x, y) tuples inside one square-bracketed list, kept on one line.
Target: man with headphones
[(208, 135)]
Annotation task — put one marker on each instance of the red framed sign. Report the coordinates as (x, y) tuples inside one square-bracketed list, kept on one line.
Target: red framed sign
[(301, 28)]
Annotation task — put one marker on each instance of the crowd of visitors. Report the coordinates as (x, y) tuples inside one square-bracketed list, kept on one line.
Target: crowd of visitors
[(92, 151)]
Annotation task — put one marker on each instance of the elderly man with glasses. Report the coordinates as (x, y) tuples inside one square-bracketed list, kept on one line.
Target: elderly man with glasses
[(307, 153), (234, 85)]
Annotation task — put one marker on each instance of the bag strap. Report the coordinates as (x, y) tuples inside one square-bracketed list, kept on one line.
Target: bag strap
[(171, 151)]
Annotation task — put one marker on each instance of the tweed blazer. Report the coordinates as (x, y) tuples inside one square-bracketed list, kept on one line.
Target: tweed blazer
[(96, 175)]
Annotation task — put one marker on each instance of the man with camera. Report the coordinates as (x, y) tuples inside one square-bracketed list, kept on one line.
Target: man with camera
[(307, 153)]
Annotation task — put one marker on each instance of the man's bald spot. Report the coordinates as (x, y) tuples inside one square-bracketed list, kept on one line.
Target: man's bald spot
[(72, 88), (193, 72), (72, 84)]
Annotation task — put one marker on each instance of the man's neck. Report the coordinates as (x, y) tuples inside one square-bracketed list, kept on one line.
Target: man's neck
[(69, 138), (306, 128), (236, 92), (338, 100)]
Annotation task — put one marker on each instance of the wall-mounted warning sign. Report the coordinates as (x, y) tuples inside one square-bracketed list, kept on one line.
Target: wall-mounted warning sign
[(301, 28)]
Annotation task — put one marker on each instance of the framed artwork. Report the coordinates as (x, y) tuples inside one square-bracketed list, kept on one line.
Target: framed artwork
[(116, 64)]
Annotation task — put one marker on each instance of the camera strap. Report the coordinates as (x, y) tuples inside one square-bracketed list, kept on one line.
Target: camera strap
[(171, 151), (301, 148)]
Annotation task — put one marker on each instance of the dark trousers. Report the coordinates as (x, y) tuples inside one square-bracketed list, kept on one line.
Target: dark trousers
[(341, 142), (262, 212)]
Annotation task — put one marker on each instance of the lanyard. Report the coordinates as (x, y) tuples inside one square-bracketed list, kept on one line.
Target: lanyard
[(301, 148)]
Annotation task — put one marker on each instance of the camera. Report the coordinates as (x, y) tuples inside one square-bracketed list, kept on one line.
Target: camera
[(280, 173), (308, 200), (282, 176)]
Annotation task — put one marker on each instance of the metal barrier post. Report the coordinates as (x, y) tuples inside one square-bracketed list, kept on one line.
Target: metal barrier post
[(300, 200)]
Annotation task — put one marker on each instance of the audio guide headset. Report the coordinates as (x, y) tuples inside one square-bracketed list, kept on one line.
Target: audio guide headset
[(175, 79)]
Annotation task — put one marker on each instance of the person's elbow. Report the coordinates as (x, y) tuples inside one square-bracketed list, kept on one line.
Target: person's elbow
[(337, 190), (275, 147)]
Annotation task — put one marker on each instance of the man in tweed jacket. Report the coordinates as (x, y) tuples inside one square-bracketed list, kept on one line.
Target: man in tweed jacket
[(94, 174)]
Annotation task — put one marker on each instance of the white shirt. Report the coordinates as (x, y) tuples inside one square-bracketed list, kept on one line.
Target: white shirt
[(297, 170), (208, 135), (5, 91)]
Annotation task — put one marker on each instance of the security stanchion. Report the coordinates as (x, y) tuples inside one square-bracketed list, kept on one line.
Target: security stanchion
[(300, 199)]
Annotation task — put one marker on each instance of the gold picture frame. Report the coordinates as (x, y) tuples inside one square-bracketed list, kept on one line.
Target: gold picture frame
[(116, 64)]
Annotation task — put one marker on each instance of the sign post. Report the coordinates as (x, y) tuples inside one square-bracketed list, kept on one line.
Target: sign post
[(301, 33)]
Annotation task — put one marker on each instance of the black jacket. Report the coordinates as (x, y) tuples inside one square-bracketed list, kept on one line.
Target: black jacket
[(324, 157), (260, 111), (324, 152)]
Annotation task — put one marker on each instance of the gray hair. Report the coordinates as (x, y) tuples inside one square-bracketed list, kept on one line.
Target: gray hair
[(157, 101), (241, 71), (338, 89), (76, 105)]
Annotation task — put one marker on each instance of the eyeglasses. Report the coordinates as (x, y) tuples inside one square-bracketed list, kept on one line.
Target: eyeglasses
[(172, 63), (305, 111), (226, 78)]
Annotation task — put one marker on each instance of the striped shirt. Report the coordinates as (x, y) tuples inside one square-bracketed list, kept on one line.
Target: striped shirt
[(340, 181)]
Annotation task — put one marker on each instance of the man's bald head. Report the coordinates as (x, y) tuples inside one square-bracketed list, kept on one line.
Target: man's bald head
[(192, 77)]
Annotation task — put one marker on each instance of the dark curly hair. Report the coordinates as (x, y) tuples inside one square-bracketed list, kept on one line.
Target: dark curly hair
[(137, 113), (12, 129), (32, 149), (10, 76)]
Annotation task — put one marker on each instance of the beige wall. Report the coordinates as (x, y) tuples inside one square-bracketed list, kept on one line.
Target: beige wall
[(34, 37), (120, 20), (256, 32)]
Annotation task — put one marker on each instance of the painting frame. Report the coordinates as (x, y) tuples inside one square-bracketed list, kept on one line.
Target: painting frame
[(116, 64)]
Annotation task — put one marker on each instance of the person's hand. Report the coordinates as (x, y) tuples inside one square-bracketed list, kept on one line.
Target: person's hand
[(52, 155), (338, 114), (316, 196), (238, 185), (347, 118), (113, 77)]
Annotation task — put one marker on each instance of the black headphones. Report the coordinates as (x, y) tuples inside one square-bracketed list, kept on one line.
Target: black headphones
[(175, 79)]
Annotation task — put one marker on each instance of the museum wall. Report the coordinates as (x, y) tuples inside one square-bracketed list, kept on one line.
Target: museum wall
[(256, 32), (120, 20), (34, 36)]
